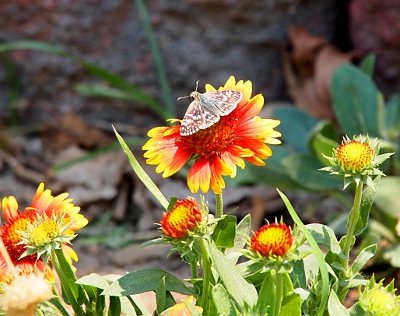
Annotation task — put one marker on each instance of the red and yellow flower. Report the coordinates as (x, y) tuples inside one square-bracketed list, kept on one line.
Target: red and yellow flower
[(48, 219), (219, 149), (272, 239), (357, 160), (183, 217), (181, 309)]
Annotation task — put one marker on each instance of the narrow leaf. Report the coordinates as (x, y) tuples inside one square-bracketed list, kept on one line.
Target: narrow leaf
[(367, 200), (150, 185), (267, 294), (318, 254), (365, 254), (161, 296)]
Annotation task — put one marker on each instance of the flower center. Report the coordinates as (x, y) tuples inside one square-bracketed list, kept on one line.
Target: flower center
[(215, 139), (44, 232), (183, 217), (273, 239), (355, 156), (11, 234)]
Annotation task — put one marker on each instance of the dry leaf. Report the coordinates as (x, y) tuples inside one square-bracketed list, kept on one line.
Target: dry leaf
[(309, 67), (71, 129)]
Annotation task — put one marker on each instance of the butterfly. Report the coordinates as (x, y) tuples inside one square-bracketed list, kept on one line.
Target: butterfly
[(206, 109)]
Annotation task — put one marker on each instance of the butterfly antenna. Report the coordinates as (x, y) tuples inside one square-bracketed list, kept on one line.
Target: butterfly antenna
[(188, 96)]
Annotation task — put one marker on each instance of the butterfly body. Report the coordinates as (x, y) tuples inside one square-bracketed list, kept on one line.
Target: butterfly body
[(206, 109)]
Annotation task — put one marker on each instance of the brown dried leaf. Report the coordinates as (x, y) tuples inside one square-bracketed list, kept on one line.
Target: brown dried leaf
[(71, 129), (309, 68)]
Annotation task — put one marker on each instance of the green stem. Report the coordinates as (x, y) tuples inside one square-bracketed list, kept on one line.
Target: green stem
[(193, 269), (348, 240), (205, 300), (351, 224), (219, 209), (278, 293)]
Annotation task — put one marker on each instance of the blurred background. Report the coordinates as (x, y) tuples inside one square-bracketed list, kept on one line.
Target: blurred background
[(70, 69)]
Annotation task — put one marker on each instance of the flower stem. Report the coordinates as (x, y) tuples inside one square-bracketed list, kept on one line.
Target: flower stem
[(193, 269), (278, 293), (219, 209), (351, 224), (348, 241), (206, 262)]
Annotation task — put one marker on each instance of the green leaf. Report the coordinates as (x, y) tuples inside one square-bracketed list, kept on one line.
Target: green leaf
[(291, 305), (224, 233), (303, 169), (318, 254), (115, 306), (367, 65), (295, 126), (356, 310), (355, 101), (235, 284), (241, 236), (387, 197), (298, 274), (325, 236), (392, 118), (363, 257), (274, 173), (150, 185), (323, 140), (392, 254), (192, 308), (56, 302), (144, 281), (267, 295), (367, 200), (102, 282), (161, 296), (335, 307), (73, 291), (222, 303)]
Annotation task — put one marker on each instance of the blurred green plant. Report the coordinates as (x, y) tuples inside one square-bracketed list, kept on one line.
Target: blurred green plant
[(113, 86)]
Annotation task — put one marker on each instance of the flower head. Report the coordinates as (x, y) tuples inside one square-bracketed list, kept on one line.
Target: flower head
[(272, 239), (49, 223), (356, 160), (218, 149), (377, 300), (183, 217), (275, 246), (181, 309), (20, 297)]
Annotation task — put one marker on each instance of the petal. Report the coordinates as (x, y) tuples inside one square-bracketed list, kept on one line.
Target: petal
[(10, 208), (230, 84), (199, 176)]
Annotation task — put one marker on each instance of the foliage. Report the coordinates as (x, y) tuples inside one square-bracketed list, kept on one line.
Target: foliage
[(359, 108)]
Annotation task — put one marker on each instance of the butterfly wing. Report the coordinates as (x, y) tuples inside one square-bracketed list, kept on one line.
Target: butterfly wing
[(221, 102), (197, 117)]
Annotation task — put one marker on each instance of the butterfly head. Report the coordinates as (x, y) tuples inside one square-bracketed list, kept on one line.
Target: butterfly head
[(194, 95)]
